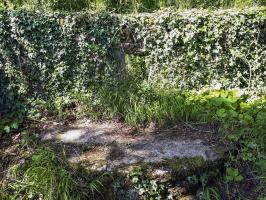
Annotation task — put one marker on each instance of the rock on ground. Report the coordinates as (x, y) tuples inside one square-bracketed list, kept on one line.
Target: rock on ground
[(110, 145), (166, 154)]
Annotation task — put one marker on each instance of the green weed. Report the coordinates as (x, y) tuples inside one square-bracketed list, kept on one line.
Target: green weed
[(48, 176)]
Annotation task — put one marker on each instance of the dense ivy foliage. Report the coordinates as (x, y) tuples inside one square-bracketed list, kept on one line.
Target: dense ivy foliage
[(195, 48), (44, 55), (47, 55)]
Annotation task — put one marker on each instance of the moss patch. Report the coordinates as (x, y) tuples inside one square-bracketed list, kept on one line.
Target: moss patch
[(183, 167), (178, 168)]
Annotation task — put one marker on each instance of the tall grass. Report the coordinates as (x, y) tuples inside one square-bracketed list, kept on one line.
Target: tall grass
[(48, 176), (126, 6), (140, 104)]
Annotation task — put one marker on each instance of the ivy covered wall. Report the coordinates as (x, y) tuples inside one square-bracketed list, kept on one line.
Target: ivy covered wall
[(194, 49), (43, 55), (46, 54)]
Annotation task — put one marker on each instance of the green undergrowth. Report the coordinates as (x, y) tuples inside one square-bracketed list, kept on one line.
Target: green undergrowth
[(138, 104), (241, 119), (43, 174)]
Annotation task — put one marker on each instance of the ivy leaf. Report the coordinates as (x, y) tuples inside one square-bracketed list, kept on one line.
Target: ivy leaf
[(221, 113), (239, 178), (246, 118), (232, 174), (7, 129), (233, 137), (135, 179), (14, 125)]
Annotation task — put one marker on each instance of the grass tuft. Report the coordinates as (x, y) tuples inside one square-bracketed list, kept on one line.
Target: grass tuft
[(49, 177)]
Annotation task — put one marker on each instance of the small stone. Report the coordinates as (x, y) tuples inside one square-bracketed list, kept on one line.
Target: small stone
[(177, 191), (21, 161), (199, 194), (103, 168), (189, 197), (152, 125), (16, 137), (161, 175)]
